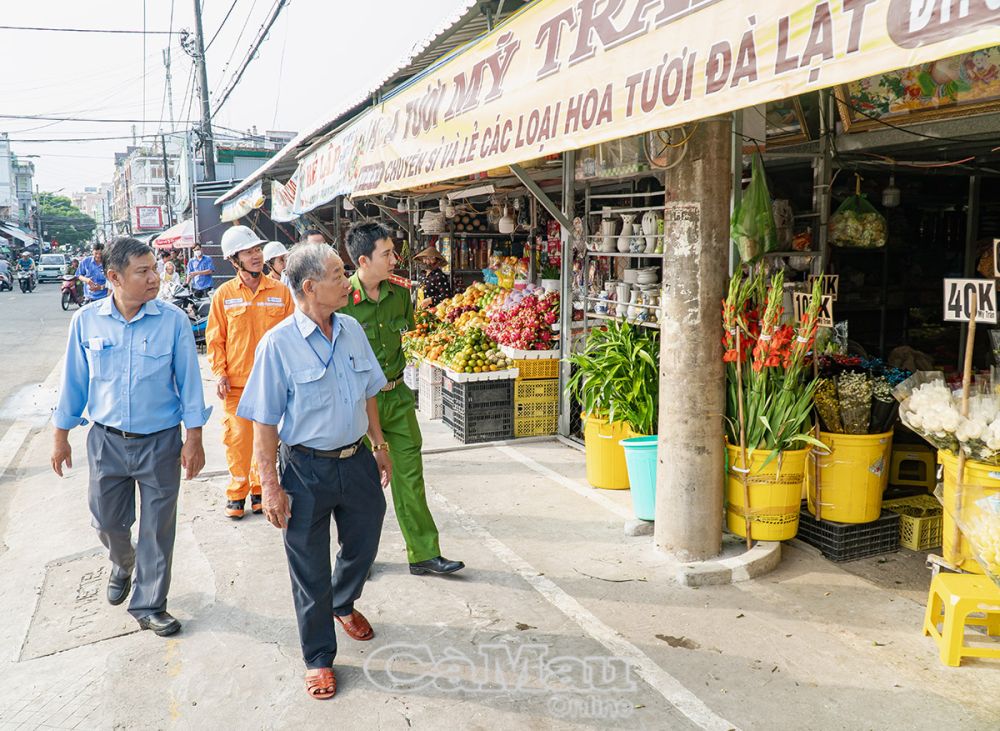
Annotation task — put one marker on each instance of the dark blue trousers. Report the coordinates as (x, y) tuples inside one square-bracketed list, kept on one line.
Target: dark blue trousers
[(318, 488)]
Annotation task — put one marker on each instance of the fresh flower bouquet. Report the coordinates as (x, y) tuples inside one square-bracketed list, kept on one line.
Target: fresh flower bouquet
[(770, 385), (932, 410), (854, 395)]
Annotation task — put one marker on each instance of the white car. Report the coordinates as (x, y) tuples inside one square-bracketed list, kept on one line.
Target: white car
[(51, 267)]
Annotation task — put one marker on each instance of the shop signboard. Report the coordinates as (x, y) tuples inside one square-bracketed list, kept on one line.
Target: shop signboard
[(282, 201), (958, 297), (996, 258), (242, 205), (148, 218), (568, 74), (800, 304), (830, 284)]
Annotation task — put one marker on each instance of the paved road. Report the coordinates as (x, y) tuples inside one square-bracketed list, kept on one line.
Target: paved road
[(32, 337)]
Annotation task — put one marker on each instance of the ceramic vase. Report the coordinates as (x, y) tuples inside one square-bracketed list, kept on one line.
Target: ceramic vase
[(622, 297), (634, 303), (625, 237), (650, 227), (607, 235)]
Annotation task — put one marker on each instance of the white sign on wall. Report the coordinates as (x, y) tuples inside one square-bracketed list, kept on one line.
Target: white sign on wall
[(958, 295)]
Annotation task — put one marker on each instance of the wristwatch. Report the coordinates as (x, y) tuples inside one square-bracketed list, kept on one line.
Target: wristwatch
[(380, 447)]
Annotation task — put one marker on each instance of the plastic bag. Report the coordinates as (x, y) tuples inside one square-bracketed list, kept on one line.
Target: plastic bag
[(976, 511), (857, 224), (753, 230)]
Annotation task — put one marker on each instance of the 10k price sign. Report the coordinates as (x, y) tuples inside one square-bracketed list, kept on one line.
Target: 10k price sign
[(958, 294)]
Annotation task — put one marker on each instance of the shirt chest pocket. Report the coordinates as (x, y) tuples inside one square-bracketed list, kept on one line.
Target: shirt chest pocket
[(104, 363), (154, 360), (360, 375), (309, 389)]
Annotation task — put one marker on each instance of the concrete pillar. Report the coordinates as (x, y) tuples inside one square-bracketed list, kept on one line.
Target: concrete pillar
[(689, 485)]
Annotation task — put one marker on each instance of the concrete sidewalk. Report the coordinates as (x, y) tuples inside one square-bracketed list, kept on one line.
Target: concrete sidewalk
[(559, 621)]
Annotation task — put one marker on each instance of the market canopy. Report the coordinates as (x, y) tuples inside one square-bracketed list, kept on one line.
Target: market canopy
[(178, 236), (567, 74), (17, 233), (249, 200)]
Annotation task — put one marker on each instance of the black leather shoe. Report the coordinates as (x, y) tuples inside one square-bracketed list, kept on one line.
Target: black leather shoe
[(118, 589), (161, 623), (439, 565)]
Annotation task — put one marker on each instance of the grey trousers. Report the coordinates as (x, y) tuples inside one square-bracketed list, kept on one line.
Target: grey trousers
[(116, 466), (349, 490)]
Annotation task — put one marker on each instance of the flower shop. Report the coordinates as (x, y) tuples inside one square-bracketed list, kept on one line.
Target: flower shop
[(784, 276)]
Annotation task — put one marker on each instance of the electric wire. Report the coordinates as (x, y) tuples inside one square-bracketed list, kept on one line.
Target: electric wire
[(251, 54), (221, 25), (89, 30), (225, 66)]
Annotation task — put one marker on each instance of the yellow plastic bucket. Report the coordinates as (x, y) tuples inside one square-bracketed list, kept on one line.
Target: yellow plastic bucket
[(775, 493), (986, 476), (853, 476), (606, 467)]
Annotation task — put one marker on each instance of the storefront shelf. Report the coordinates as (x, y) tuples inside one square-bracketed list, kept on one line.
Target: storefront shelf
[(601, 255), (598, 316)]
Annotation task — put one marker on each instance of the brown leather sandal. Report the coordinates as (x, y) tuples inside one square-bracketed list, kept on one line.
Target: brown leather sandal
[(321, 683), (356, 626)]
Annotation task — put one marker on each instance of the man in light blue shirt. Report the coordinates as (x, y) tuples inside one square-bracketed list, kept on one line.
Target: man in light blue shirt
[(313, 385), (91, 273), (131, 363), (200, 269)]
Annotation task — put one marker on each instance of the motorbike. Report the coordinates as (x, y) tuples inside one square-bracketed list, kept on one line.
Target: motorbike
[(197, 309), (72, 292), (6, 282), (26, 280)]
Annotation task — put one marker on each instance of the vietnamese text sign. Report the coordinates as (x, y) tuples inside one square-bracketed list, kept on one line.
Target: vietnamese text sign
[(566, 74), (148, 218), (958, 296), (830, 284)]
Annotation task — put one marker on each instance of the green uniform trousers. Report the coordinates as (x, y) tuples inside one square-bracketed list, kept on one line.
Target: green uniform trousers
[(399, 425)]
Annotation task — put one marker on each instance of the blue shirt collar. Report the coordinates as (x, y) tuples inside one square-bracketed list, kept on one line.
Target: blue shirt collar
[(108, 308), (306, 326)]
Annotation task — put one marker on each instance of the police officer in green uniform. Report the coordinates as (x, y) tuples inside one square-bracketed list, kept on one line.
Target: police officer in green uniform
[(381, 302)]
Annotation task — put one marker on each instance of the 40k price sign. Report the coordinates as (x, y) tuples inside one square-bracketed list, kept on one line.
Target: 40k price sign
[(958, 295)]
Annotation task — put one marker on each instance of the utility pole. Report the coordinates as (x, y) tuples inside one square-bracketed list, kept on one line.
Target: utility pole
[(166, 180), (208, 145), (689, 478)]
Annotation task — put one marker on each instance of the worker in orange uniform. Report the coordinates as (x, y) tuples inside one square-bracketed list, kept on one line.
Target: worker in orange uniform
[(243, 309)]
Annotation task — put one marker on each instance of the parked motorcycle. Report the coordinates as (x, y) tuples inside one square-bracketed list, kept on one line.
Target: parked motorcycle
[(197, 309), (26, 280), (72, 292), (6, 282)]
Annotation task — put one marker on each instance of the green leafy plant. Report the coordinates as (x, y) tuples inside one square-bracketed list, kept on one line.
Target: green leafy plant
[(617, 375), (550, 272)]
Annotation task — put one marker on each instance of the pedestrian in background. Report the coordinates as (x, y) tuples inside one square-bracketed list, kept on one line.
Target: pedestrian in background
[(243, 309), (131, 364), (200, 269), (91, 273), (380, 301), (313, 236), (170, 281), (275, 256), (313, 386)]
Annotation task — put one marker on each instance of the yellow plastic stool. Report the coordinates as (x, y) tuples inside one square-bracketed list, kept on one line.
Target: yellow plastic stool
[(913, 465), (956, 596)]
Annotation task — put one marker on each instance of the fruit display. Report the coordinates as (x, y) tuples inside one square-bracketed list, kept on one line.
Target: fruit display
[(429, 345), (470, 299), (525, 321), (474, 352)]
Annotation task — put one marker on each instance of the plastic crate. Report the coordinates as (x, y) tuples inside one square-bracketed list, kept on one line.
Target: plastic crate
[(429, 398), (536, 391), (491, 425), (411, 376), (430, 373), (920, 521), (536, 419), (479, 395), (850, 541), (540, 368)]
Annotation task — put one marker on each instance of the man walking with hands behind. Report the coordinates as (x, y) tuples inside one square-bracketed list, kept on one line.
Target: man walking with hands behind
[(131, 363), (380, 301), (243, 309), (313, 385)]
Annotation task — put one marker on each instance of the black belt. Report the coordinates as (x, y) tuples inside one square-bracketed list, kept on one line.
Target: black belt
[(131, 435), (340, 453), (391, 383)]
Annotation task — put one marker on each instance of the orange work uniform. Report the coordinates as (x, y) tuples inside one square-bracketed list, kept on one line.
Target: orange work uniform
[(236, 323)]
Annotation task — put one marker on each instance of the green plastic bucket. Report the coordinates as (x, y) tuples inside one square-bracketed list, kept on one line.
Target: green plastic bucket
[(640, 458)]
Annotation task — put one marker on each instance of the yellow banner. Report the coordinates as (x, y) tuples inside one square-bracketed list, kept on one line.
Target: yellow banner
[(566, 74)]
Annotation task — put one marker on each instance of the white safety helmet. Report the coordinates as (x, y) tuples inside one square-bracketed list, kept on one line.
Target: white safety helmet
[(274, 249), (237, 239)]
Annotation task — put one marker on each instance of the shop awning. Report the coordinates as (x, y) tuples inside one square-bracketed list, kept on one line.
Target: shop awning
[(549, 80), (17, 233), (178, 236), (248, 200)]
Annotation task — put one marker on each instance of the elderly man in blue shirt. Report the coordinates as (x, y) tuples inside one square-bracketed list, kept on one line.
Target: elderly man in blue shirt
[(313, 386), (131, 363), (91, 273)]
